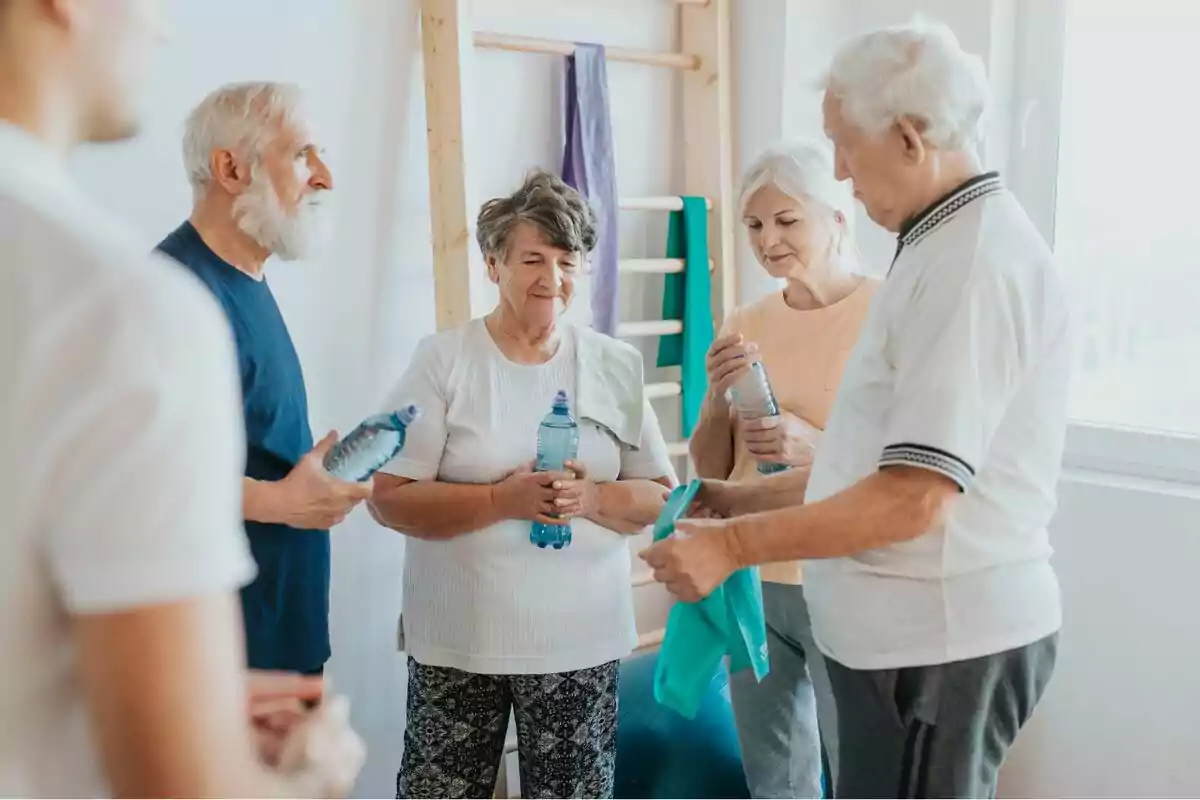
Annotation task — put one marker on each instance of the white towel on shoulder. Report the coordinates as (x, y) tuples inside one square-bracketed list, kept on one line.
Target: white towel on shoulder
[(612, 390)]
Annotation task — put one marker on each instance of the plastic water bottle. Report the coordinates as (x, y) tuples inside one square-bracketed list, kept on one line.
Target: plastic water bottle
[(557, 443), (753, 399), (375, 442)]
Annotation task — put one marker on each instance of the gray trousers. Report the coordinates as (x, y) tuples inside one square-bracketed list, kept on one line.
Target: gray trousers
[(935, 731), (777, 718)]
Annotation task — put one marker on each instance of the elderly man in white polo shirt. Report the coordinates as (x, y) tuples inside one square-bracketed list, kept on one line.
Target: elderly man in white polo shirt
[(924, 525)]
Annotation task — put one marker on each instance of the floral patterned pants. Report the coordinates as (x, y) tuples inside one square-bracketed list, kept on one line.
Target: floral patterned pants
[(457, 723)]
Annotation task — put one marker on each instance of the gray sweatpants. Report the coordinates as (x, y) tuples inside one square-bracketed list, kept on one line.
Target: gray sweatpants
[(935, 731), (777, 718)]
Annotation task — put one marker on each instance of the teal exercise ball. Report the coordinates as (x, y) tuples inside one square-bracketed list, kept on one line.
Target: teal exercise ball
[(663, 754)]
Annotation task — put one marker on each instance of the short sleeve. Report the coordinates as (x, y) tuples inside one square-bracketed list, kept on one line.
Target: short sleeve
[(957, 354), (423, 384), (651, 460), (144, 451)]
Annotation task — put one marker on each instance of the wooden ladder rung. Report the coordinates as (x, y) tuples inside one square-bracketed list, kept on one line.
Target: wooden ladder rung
[(677, 449), (658, 266), (562, 47), (650, 327), (650, 639), (665, 203), (656, 391)]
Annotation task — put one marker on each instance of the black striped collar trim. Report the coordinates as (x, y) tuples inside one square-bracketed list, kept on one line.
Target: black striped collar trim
[(943, 209)]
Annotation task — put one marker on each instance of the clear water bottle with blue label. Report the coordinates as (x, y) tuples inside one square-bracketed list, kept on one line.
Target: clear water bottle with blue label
[(557, 443), (372, 444), (753, 399)]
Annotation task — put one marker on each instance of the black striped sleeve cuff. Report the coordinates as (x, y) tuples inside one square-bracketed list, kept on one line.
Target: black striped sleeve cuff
[(930, 458)]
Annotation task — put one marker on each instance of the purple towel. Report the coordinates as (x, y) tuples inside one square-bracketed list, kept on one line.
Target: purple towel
[(588, 166)]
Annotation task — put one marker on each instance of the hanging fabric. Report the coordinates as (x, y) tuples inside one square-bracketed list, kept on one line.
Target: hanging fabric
[(589, 167), (688, 297)]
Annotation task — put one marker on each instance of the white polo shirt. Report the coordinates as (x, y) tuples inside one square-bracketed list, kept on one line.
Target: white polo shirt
[(961, 368), (121, 454)]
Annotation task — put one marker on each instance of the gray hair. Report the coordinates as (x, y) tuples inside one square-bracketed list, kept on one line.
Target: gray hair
[(917, 71), (802, 169), (558, 211), (240, 117)]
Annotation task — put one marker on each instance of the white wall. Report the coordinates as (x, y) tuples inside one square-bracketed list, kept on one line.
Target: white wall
[(1118, 720)]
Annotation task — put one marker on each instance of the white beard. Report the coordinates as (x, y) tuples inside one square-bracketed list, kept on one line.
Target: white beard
[(261, 217)]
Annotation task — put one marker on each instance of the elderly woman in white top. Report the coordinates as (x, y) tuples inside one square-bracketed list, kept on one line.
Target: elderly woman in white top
[(491, 621)]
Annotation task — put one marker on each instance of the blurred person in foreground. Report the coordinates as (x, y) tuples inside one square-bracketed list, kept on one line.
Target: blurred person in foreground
[(923, 527), (120, 470)]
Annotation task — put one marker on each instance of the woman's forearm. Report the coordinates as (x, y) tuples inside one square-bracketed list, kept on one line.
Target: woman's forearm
[(628, 506), (770, 492), (711, 446), (436, 510)]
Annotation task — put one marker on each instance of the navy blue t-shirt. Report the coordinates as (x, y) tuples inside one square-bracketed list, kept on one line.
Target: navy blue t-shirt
[(286, 608)]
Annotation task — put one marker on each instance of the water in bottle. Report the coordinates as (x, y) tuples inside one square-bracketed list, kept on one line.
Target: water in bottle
[(753, 399), (372, 444), (557, 443)]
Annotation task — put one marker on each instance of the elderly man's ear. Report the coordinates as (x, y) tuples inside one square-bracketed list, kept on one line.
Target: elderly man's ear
[(229, 171), (910, 134)]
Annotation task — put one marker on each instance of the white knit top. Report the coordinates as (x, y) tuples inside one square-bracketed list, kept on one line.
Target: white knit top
[(490, 602)]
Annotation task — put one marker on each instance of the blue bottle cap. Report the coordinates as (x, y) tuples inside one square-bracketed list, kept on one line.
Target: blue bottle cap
[(560, 399), (409, 414)]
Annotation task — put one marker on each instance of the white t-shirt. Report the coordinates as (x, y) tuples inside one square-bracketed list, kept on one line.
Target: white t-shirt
[(120, 454), (490, 602), (962, 368)]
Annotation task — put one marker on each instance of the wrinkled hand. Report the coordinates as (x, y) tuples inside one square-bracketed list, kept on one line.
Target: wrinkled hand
[(530, 495), (783, 439), (716, 499), (313, 499), (578, 496), (323, 755), (728, 359), (277, 702), (695, 559)]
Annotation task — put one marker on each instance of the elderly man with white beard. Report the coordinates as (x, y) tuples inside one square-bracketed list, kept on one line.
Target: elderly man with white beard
[(258, 181)]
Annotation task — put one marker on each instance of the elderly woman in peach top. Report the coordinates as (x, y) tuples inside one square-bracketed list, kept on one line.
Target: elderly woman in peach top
[(799, 219)]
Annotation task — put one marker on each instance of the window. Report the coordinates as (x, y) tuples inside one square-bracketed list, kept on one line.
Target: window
[(1127, 210)]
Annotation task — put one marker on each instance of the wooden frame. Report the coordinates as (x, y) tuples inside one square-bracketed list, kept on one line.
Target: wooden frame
[(705, 66), (446, 46)]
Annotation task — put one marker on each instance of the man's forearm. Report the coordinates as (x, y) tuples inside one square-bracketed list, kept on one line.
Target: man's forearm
[(261, 501), (628, 506), (436, 510), (891, 506), (711, 444)]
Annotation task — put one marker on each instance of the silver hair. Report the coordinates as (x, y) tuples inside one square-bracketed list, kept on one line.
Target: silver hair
[(803, 170), (917, 71), (240, 117), (558, 211)]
